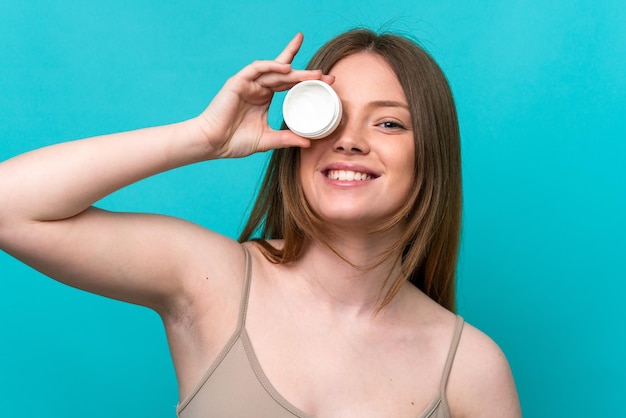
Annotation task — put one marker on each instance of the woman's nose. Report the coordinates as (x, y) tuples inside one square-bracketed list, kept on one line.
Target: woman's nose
[(351, 139)]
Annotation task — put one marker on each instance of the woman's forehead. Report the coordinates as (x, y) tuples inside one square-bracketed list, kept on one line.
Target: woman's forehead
[(367, 77)]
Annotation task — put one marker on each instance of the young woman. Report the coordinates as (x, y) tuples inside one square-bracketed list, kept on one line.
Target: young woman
[(343, 306)]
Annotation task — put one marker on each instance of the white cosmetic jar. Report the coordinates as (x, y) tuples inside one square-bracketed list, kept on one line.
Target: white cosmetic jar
[(312, 109)]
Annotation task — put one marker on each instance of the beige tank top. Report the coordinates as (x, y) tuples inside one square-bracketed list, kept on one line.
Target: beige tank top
[(235, 385)]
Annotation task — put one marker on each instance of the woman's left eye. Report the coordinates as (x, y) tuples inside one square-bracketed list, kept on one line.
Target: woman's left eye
[(390, 124)]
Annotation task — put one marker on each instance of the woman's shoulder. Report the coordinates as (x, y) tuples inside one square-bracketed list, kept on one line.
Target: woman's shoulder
[(215, 272), (481, 382)]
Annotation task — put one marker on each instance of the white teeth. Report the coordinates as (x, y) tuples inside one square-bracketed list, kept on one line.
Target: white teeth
[(345, 175)]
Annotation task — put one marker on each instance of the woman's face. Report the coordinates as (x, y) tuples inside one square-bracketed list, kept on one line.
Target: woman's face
[(362, 173)]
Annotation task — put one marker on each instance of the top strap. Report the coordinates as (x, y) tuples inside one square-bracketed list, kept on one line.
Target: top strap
[(243, 307), (451, 353)]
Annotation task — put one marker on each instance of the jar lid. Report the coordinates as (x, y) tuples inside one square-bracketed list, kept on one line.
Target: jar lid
[(312, 109)]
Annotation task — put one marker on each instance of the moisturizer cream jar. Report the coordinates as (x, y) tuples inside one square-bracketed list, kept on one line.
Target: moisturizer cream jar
[(312, 109)]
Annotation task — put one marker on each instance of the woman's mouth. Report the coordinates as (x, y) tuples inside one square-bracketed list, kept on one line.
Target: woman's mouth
[(348, 175)]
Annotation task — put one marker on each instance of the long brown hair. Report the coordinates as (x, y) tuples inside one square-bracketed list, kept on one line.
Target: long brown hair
[(431, 219)]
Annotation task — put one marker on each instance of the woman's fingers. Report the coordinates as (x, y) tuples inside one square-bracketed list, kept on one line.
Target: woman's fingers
[(278, 74), (257, 68), (278, 77), (291, 49), (276, 139), (280, 82)]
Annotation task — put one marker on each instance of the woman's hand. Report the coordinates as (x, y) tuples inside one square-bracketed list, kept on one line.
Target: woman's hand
[(235, 123)]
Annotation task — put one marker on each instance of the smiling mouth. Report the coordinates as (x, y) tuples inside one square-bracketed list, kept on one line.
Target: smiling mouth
[(347, 175)]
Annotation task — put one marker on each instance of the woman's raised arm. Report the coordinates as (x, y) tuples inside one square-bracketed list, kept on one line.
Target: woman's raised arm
[(46, 196)]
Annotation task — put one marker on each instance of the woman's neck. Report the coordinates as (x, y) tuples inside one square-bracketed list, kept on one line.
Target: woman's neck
[(353, 279)]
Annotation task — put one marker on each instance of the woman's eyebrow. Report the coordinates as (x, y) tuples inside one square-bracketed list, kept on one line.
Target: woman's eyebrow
[(388, 103)]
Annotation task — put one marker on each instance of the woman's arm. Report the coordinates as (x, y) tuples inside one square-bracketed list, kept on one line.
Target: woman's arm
[(46, 196), (46, 218)]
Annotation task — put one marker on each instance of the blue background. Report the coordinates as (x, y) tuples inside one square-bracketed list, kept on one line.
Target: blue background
[(541, 93)]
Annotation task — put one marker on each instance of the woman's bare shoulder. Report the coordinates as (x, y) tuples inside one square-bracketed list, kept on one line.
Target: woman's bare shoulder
[(481, 382), (219, 265)]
